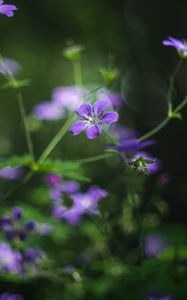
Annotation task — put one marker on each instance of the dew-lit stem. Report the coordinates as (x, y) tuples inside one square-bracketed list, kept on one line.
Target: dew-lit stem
[(26, 127)]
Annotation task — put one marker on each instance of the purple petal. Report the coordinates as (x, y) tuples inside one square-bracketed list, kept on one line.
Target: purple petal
[(100, 105), (77, 127), (84, 110), (109, 117), (7, 9), (93, 131), (47, 111)]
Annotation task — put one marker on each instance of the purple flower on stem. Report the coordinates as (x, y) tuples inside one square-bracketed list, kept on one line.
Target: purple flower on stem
[(48, 110), (52, 179), (154, 244), (152, 167), (10, 173), (179, 45), (8, 296), (7, 9), (9, 66), (64, 188), (93, 117), (70, 97)]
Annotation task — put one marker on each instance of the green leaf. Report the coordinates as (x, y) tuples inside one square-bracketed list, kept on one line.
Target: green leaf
[(16, 161)]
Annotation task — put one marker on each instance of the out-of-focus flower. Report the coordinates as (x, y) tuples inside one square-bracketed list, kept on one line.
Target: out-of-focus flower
[(32, 258), (8, 296), (10, 260), (10, 173), (93, 117), (68, 187), (82, 203), (154, 244), (48, 110), (160, 298), (145, 163), (9, 66), (7, 9), (164, 178), (179, 45), (15, 228), (52, 179), (114, 99), (129, 146), (70, 97)]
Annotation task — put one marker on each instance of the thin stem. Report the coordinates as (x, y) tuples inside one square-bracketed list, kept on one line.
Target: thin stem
[(60, 134), (94, 158), (77, 73), (165, 121), (171, 85), (26, 127)]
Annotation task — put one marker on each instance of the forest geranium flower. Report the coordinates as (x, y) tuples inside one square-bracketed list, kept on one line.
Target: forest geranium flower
[(7, 9), (132, 145), (48, 110), (70, 97), (179, 45), (10, 173), (144, 162), (10, 260), (8, 296), (154, 244), (9, 66), (93, 117), (114, 99)]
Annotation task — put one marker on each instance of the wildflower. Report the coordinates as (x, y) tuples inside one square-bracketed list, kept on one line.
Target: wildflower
[(81, 203), (52, 179), (93, 117), (114, 99), (7, 9), (59, 191), (10, 260), (179, 45), (48, 110), (70, 97), (154, 244), (10, 173), (145, 163), (132, 145), (9, 66), (8, 296)]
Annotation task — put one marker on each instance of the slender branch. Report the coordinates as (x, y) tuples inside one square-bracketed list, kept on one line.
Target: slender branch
[(77, 73), (26, 127), (165, 121), (60, 134), (171, 85), (94, 158)]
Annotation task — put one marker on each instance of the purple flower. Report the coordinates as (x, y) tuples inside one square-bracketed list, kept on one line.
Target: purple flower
[(64, 188), (93, 118), (52, 179), (8, 296), (132, 145), (17, 213), (48, 110), (7, 9), (9, 66), (10, 260), (33, 257), (70, 97), (152, 167), (82, 203), (10, 173), (180, 45), (88, 202), (114, 99), (160, 298), (154, 244)]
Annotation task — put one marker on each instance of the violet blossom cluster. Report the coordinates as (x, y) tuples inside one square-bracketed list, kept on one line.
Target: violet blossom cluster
[(69, 203), (15, 228)]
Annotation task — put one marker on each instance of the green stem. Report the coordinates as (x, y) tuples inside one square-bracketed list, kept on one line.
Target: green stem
[(94, 158), (171, 85), (26, 127), (165, 121), (60, 134), (77, 73)]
